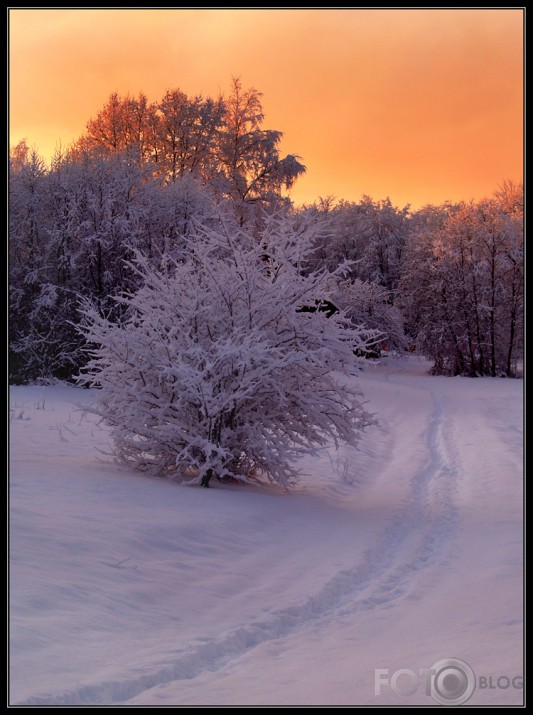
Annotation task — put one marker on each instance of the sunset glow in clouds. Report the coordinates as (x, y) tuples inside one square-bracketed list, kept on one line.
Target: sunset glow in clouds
[(418, 105)]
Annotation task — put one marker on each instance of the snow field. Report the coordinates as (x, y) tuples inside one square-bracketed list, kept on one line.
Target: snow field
[(128, 589)]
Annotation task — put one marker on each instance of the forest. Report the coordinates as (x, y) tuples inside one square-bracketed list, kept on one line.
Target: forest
[(146, 179)]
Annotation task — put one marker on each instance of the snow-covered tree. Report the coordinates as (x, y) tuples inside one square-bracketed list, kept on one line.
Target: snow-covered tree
[(462, 286), (249, 157), (70, 231), (214, 370), (220, 141), (368, 306), (371, 234), (27, 195), (125, 125), (187, 133)]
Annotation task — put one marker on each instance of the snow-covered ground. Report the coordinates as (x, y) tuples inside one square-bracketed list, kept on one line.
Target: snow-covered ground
[(126, 589)]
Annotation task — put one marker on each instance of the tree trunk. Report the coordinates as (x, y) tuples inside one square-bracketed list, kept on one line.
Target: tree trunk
[(207, 476)]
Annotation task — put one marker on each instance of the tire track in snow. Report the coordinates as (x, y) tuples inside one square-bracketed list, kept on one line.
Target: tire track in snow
[(416, 538)]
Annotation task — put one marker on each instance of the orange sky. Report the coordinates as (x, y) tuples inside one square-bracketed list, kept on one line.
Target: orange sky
[(418, 105)]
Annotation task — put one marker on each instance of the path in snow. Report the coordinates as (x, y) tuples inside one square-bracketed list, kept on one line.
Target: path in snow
[(323, 572)]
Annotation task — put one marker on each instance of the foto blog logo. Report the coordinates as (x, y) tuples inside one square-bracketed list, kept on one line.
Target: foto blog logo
[(450, 681)]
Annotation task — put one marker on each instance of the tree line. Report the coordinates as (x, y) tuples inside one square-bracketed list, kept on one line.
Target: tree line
[(444, 280)]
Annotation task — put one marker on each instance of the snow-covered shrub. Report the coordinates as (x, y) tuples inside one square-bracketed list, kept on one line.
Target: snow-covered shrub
[(215, 371)]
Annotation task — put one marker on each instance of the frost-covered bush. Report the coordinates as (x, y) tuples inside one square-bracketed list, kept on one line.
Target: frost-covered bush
[(215, 371)]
